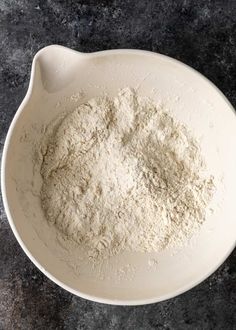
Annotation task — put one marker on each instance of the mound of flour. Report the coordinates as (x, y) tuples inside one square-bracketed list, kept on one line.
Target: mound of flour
[(121, 174)]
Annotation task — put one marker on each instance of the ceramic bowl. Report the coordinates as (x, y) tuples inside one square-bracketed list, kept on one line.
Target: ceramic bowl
[(60, 80)]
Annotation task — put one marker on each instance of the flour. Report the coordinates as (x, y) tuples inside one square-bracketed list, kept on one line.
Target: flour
[(120, 174)]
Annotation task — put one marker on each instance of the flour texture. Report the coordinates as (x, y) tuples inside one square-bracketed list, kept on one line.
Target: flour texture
[(121, 174)]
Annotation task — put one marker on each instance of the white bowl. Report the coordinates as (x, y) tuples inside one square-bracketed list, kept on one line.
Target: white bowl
[(128, 279)]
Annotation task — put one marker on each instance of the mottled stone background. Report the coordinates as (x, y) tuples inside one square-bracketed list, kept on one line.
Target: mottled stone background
[(200, 33)]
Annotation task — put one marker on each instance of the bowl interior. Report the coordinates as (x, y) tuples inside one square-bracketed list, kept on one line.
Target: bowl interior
[(63, 79)]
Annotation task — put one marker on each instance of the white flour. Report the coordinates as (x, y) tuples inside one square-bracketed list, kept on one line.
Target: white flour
[(121, 174)]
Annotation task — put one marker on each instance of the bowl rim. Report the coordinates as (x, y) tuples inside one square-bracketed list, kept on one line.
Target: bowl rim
[(132, 302)]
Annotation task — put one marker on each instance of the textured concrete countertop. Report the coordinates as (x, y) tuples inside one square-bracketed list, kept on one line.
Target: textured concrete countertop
[(200, 33)]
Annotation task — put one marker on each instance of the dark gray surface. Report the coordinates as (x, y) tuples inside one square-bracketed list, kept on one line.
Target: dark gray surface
[(199, 33)]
